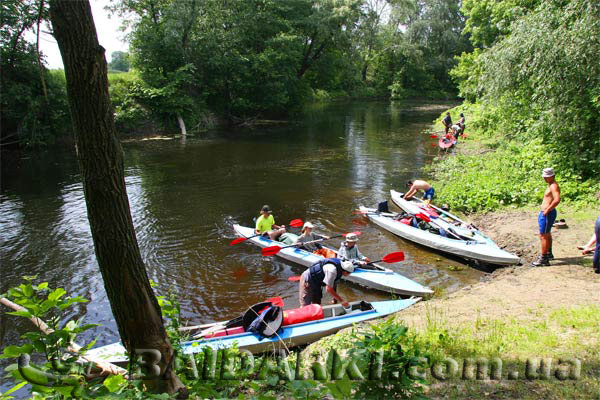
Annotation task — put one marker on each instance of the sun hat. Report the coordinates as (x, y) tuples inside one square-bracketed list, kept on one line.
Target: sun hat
[(547, 173), (266, 208), (351, 237), (307, 225), (348, 266)]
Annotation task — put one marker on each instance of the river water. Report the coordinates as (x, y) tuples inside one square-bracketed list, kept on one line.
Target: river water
[(185, 196)]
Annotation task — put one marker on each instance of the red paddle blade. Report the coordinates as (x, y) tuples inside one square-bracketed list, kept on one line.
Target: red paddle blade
[(433, 136), (296, 223), (277, 301), (357, 233), (393, 257), (423, 217), (270, 251), (294, 278), (238, 240)]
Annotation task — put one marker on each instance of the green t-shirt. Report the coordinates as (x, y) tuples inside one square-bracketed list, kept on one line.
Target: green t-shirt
[(264, 224)]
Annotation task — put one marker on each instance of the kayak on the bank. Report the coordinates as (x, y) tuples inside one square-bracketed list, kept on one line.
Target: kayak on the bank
[(379, 278), (445, 143), (312, 322), (469, 244)]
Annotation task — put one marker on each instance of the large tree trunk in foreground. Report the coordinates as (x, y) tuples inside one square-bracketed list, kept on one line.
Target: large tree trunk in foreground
[(132, 300)]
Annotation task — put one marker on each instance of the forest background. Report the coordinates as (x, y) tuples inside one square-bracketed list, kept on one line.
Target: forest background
[(526, 70)]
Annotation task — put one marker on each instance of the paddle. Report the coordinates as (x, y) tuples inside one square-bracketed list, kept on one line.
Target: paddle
[(295, 223), (427, 219), (272, 250), (388, 258)]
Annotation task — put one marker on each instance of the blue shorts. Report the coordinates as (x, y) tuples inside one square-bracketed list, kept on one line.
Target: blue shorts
[(429, 193), (546, 221)]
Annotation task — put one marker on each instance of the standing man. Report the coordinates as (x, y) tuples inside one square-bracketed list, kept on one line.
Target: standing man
[(597, 251), (447, 121), (547, 216), (265, 224), (416, 185), (326, 272)]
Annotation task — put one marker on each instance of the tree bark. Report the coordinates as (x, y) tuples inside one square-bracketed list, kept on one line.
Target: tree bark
[(181, 125), (100, 157)]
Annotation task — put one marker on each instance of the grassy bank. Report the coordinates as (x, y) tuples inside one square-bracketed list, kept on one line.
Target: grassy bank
[(558, 335), (488, 170)]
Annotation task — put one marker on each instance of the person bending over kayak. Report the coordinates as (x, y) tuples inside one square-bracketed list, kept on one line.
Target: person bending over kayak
[(420, 185), (265, 224), (349, 250), (326, 272), (315, 248)]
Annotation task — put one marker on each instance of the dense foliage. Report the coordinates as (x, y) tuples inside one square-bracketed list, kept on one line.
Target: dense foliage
[(539, 81), (533, 99), (33, 101)]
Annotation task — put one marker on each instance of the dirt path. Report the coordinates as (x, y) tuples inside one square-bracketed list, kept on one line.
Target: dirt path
[(511, 292)]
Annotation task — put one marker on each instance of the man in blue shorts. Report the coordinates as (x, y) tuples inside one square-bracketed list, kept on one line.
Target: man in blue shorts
[(547, 216), (416, 185)]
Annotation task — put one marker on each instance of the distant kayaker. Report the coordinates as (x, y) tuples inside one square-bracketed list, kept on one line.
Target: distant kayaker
[(265, 224), (447, 121), (349, 250), (547, 216), (417, 185), (326, 272), (461, 123), (308, 236)]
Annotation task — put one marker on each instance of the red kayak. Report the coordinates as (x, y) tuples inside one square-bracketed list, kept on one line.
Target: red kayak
[(446, 142)]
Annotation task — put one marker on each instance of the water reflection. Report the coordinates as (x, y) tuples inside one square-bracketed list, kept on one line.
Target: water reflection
[(184, 197)]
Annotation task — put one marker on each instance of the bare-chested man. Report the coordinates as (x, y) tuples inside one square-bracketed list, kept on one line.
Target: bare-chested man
[(420, 185), (547, 217)]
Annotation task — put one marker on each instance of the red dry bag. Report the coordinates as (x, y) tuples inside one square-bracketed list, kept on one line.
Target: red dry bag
[(311, 312)]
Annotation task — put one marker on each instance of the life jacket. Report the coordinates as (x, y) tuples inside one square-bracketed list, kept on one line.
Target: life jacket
[(267, 322), (317, 274)]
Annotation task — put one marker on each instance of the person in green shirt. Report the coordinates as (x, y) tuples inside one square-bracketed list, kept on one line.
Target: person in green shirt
[(265, 224)]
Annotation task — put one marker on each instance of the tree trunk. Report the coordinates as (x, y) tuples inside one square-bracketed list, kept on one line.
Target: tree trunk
[(181, 125), (132, 300)]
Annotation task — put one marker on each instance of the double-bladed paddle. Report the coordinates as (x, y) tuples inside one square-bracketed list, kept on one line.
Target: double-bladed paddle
[(388, 258), (272, 250), (295, 223)]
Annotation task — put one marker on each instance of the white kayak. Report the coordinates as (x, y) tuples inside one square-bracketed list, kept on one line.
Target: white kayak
[(478, 247), (380, 278)]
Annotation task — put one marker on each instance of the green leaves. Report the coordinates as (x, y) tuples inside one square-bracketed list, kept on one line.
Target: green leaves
[(16, 351), (114, 383)]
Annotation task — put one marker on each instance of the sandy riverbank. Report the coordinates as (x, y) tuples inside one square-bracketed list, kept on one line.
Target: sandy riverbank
[(511, 292)]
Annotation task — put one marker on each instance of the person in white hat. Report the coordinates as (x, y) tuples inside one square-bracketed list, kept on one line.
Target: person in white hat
[(326, 272), (547, 216), (349, 250), (307, 241)]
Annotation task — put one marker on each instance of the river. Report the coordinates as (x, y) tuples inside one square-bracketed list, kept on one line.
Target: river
[(185, 196)]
